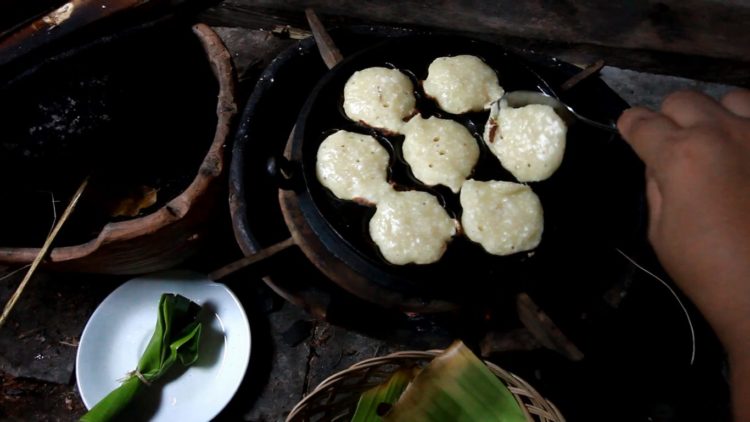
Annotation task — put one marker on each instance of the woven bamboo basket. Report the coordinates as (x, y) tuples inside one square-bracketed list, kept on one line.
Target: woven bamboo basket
[(335, 399)]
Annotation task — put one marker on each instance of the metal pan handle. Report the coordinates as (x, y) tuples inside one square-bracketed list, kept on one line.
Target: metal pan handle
[(285, 172)]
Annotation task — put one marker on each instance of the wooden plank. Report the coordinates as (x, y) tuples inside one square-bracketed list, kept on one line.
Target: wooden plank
[(701, 39)]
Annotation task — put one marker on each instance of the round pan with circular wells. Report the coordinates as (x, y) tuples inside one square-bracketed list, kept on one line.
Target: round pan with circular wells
[(593, 200)]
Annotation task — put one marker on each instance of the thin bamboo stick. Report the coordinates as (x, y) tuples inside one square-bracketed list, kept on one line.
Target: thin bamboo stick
[(42, 252)]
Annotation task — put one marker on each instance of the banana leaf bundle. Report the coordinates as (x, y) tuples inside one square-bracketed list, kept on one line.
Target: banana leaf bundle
[(175, 339), (456, 386)]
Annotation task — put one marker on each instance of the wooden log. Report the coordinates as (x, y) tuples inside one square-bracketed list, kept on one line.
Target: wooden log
[(702, 39), (546, 332), (700, 27), (250, 260), (68, 18), (328, 50)]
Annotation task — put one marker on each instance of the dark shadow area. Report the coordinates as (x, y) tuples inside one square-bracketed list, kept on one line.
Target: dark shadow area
[(213, 341), (258, 301)]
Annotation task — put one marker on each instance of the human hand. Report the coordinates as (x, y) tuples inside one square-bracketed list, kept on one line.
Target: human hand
[(697, 156)]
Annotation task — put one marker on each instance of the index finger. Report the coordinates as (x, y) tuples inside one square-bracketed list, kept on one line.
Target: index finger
[(738, 102), (647, 132)]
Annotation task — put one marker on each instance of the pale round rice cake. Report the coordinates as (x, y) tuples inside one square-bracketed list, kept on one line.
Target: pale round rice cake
[(461, 84), (439, 151), (411, 227), (503, 217), (353, 167), (529, 141), (379, 97)]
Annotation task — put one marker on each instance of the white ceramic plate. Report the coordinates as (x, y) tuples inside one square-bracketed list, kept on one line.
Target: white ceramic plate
[(120, 328)]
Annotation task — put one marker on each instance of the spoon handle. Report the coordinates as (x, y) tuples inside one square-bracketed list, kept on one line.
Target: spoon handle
[(612, 128)]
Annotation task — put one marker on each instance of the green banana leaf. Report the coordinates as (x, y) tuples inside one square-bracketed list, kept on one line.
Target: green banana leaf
[(456, 387), (175, 339), (389, 392)]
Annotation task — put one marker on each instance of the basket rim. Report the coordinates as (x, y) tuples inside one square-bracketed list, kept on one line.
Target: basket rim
[(522, 391)]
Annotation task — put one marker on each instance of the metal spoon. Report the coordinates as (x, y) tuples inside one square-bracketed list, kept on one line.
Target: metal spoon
[(517, 99)]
